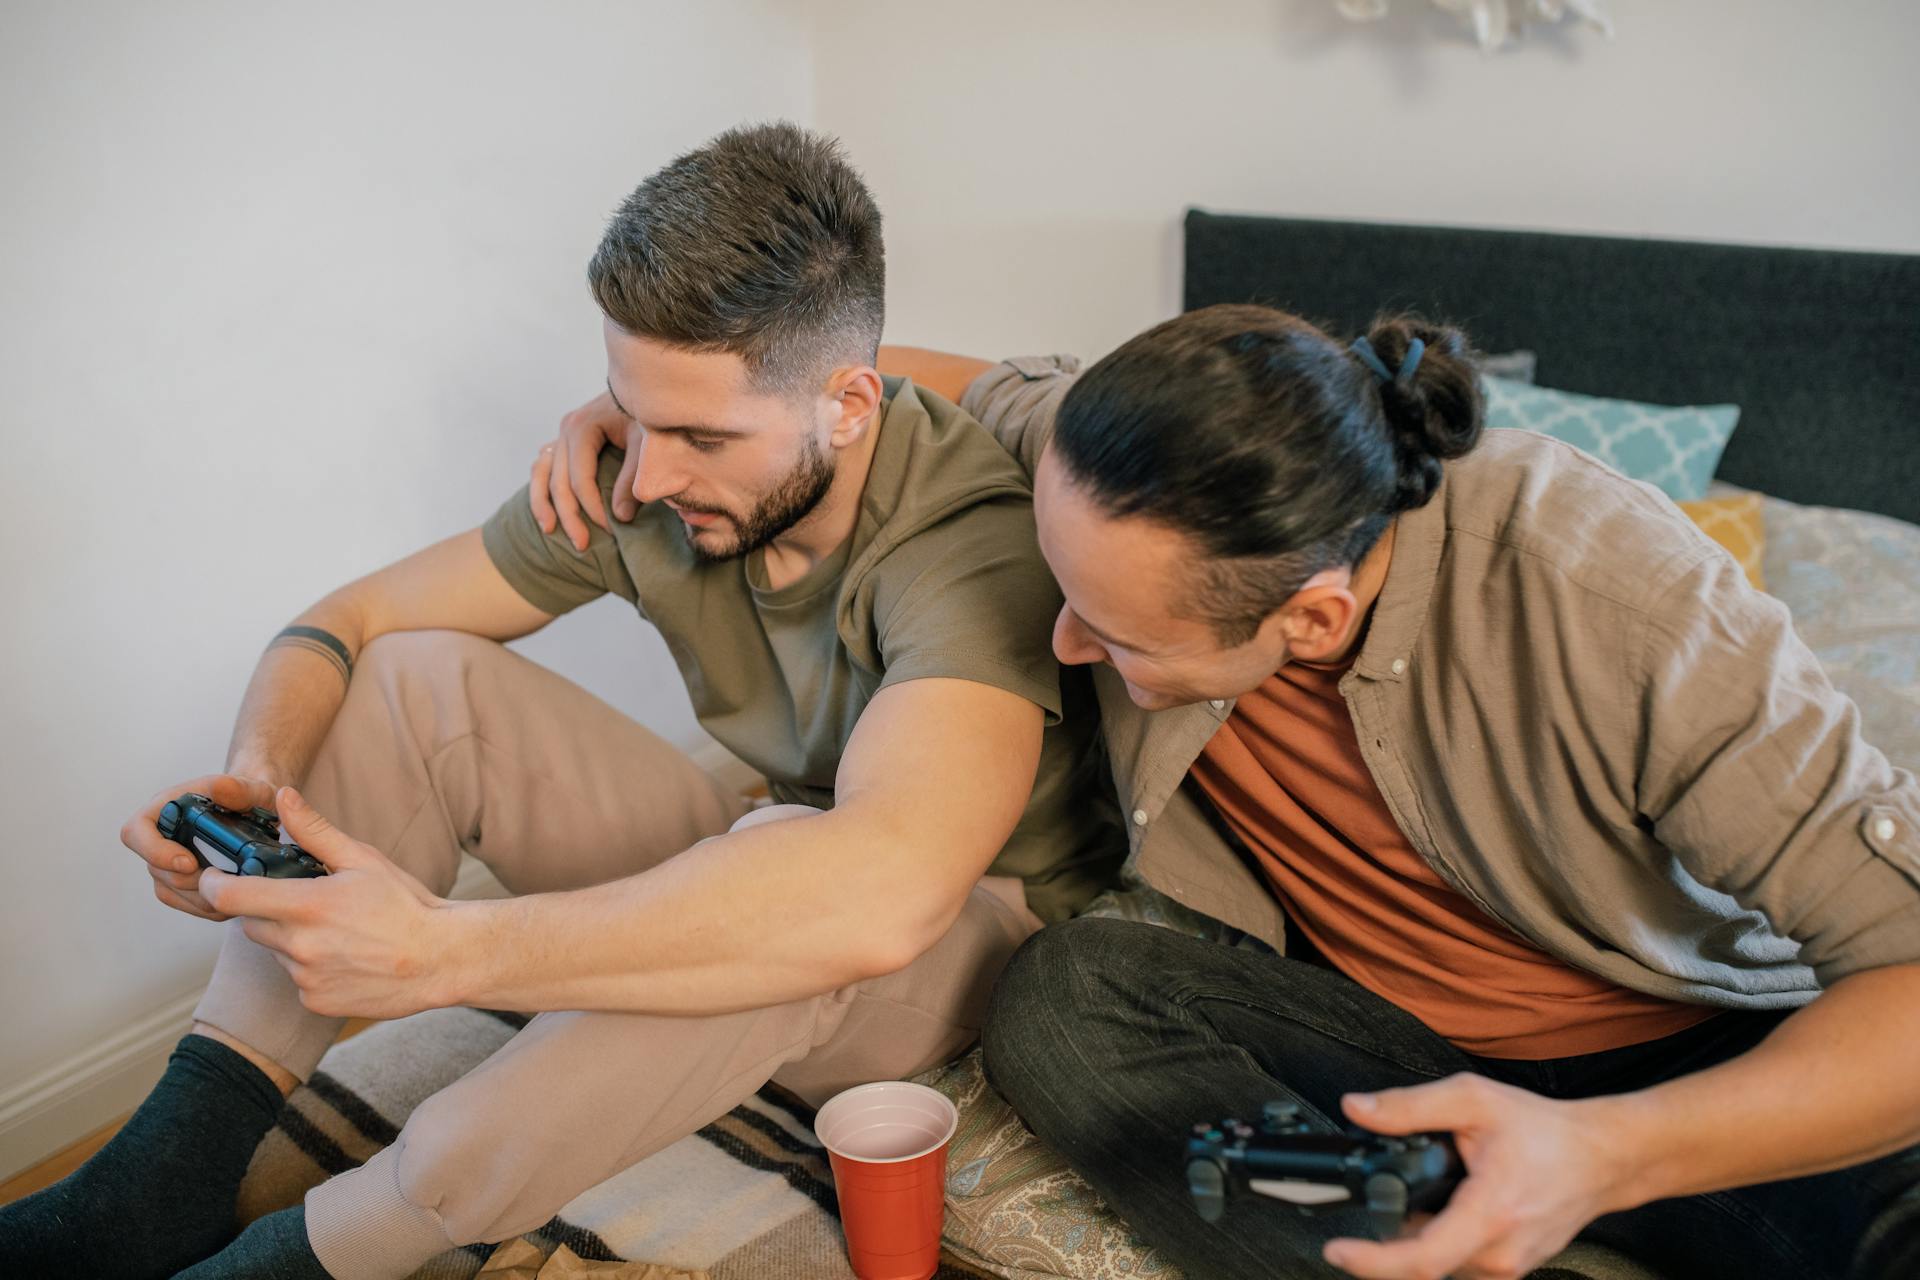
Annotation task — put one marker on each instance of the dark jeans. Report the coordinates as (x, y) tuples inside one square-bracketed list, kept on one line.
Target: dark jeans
[(1112, 1038)]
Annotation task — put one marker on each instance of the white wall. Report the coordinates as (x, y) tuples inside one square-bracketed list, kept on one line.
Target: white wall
[(286, 292), (1033, 159)]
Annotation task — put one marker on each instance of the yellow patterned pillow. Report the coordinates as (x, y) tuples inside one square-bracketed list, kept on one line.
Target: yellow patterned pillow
[(1735, 524)]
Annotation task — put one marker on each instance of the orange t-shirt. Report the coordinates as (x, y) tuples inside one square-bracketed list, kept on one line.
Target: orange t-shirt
[(1286, 773)]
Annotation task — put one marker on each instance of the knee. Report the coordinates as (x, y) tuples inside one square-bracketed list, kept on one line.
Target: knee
[(766, 814), (1074, 969), (1066, 1017), (774, 813), (1052, 999), (1891, 1243), (1034, 988), (403, 654), (483, 1184)]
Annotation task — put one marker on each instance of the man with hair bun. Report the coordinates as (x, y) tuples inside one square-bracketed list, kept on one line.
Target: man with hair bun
[(1500, 805), (1510, 811), (844, 569)]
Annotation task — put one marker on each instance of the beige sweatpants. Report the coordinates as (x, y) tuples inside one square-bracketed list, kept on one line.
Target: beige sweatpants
[(448, 742)]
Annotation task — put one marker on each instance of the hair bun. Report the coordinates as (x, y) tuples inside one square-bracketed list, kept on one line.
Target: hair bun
[(1435, 414)]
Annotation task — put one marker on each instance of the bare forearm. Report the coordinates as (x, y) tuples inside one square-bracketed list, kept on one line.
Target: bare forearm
[(941, 372), (786, 909), (1833, 1086), (296, 690), (774, 913)]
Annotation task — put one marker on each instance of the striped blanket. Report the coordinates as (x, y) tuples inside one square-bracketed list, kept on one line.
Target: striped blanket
[(746, 1198), (749, 1196)]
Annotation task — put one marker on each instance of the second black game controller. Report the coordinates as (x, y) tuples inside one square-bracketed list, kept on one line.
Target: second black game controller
[(1287, 1160), (243, 843)]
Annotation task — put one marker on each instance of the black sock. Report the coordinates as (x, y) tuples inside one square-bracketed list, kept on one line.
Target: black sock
[(160, 1195), (272, 1248)]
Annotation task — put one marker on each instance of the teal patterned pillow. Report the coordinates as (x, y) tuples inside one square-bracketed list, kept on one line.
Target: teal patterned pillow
[(1675, 449)]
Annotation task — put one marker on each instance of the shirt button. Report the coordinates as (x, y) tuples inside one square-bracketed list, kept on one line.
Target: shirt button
[(1218, 704), (1884, 828), (1399, 665), (1139, 817)]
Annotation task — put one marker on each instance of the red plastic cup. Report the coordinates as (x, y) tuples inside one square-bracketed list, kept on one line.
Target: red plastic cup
[(888, 1146)]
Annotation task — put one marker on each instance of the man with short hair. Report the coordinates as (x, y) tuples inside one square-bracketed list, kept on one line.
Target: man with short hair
[(845, 572)]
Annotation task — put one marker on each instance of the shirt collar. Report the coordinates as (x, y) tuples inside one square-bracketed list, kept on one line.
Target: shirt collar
[(1405, 599)]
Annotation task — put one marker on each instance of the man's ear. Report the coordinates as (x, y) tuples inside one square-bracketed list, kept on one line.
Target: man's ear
[(853, 396), (1315, 621)]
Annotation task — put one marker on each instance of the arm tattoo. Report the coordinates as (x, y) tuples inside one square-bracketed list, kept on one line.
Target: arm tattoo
[(324, 643)]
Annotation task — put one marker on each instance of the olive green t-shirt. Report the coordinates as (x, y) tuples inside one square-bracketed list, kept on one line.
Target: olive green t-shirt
[(942, 577)]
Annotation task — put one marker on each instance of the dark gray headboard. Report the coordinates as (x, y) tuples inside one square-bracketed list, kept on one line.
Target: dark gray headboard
[(1820, 349)]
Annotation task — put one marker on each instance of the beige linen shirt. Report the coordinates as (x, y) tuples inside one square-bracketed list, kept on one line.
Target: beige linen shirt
[(1584, 718)]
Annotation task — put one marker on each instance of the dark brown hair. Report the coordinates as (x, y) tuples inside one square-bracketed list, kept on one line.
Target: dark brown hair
[(764, 243), (1268, 443)]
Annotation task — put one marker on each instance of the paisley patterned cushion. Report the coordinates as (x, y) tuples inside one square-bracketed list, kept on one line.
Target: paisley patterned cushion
[(1015, 1208)]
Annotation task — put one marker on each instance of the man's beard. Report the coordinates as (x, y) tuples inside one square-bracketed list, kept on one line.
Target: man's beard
[(785, 505)]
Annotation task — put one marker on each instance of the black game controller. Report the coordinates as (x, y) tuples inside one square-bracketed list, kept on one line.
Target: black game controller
[(1287, 1160), (246, 844)]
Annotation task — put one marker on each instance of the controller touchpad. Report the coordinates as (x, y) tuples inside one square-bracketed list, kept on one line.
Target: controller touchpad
[(1296, 1191), (215, 857)]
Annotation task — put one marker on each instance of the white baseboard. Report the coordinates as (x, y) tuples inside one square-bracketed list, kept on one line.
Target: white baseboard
[(48, 1112), (53, 1110)]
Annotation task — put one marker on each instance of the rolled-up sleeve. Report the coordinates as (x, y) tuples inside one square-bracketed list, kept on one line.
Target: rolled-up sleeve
[(1017, 400), (1755, 774)]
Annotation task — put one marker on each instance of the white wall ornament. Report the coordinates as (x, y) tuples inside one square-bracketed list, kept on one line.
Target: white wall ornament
[(1495, 22)]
